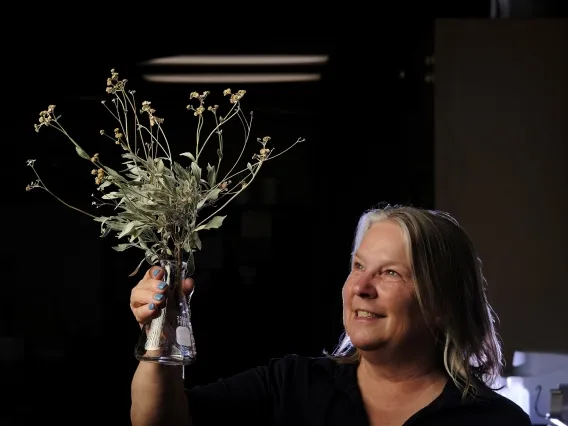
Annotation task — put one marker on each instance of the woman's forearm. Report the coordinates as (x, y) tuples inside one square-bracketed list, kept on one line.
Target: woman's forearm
[(158, 396)]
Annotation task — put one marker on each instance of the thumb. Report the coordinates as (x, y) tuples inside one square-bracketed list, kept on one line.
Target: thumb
[(187, 286)]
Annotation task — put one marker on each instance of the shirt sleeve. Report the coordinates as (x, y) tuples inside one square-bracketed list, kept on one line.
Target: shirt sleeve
[(245, 398)]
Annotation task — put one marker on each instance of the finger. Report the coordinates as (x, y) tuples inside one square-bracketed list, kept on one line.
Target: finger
[(154, 273), (145, 313), (188, 285), (153, 279), (140, 297)]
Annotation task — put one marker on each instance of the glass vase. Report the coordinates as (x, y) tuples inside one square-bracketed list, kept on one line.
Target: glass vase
[(168, 339)]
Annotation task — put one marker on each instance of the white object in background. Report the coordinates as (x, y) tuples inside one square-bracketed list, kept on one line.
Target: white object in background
[(516, 392)]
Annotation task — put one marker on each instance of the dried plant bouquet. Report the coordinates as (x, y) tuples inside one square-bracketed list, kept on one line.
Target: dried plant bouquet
[(158, 202), (158, 198)]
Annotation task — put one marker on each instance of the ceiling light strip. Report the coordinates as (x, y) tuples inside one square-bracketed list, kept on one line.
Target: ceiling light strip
[(239, 60), (230, 78)]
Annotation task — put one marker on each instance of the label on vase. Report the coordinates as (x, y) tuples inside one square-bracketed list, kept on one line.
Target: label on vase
[(183, 336)]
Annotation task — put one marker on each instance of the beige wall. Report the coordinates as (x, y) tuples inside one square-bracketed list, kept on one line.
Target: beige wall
[(501, 117)]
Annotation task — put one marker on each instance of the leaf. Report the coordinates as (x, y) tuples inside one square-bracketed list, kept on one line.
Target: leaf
[(211, 195), (122, 247), (82, 153), (214, 223), (196, 170), (211, 175), (159, 165), (129, 227), (138, 268), (112, 195), (195, 241), (104, 184), (249, 166), (114, 174), (189, 155)]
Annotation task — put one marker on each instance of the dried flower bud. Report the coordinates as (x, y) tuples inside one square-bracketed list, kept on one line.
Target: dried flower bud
[(237, 96)]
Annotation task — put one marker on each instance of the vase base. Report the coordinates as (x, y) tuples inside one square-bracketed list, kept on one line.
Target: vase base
[(166, 360)]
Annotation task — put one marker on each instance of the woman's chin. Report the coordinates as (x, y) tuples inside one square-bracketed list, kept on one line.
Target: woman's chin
[(367, 343)]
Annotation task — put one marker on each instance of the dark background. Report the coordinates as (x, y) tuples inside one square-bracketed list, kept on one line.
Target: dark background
[(69, 333)]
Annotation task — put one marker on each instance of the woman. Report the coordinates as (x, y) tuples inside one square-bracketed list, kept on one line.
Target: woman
[(419, 348)]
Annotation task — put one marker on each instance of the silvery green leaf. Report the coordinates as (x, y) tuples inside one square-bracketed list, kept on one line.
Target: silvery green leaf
[(211, 196), (196, 170), (129, 227), (112, 195), (82, 153), (211, 175), (122, 247), (104, 184), (195, 240), (187, 245), (189, 155), (181, 171), (130, 155), (216, 222), (159, 165)]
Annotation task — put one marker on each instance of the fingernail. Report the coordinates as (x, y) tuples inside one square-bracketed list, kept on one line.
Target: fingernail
[(156, 272), (162, 285), (151, 306), (158, 297)]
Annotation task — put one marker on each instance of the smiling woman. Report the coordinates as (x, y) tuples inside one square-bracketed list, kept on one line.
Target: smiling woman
[(420, 346), (379, 307), (421, 270)]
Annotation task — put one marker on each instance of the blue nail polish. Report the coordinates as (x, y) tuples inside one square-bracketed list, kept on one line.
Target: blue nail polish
[(156, 272), (158, 297), (151, 306), (162, 285)]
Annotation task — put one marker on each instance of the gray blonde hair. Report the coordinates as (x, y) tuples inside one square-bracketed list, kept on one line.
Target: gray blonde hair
[(450, 288)]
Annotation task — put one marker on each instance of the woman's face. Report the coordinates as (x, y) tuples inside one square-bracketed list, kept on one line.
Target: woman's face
[(380, 308)]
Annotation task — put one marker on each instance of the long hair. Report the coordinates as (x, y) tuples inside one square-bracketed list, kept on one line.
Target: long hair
[(451, 292)]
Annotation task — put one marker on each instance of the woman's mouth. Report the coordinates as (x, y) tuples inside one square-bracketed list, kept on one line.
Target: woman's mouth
[(367, 315)]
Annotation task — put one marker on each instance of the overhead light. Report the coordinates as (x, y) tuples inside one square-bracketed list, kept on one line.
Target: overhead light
[(239, 60), (230, 78)]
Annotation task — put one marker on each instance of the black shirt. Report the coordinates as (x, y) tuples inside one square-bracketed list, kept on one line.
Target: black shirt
[(297, 391)]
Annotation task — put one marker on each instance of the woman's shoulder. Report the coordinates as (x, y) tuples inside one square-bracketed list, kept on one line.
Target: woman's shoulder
[(497, 409)]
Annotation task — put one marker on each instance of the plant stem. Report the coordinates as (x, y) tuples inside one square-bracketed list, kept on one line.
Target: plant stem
[(179, 269), (63, 202)]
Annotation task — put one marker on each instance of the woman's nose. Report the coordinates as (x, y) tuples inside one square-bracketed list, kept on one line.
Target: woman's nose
[(365, 289)]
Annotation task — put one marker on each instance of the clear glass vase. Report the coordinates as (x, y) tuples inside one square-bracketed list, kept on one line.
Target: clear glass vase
[(168, 339)]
